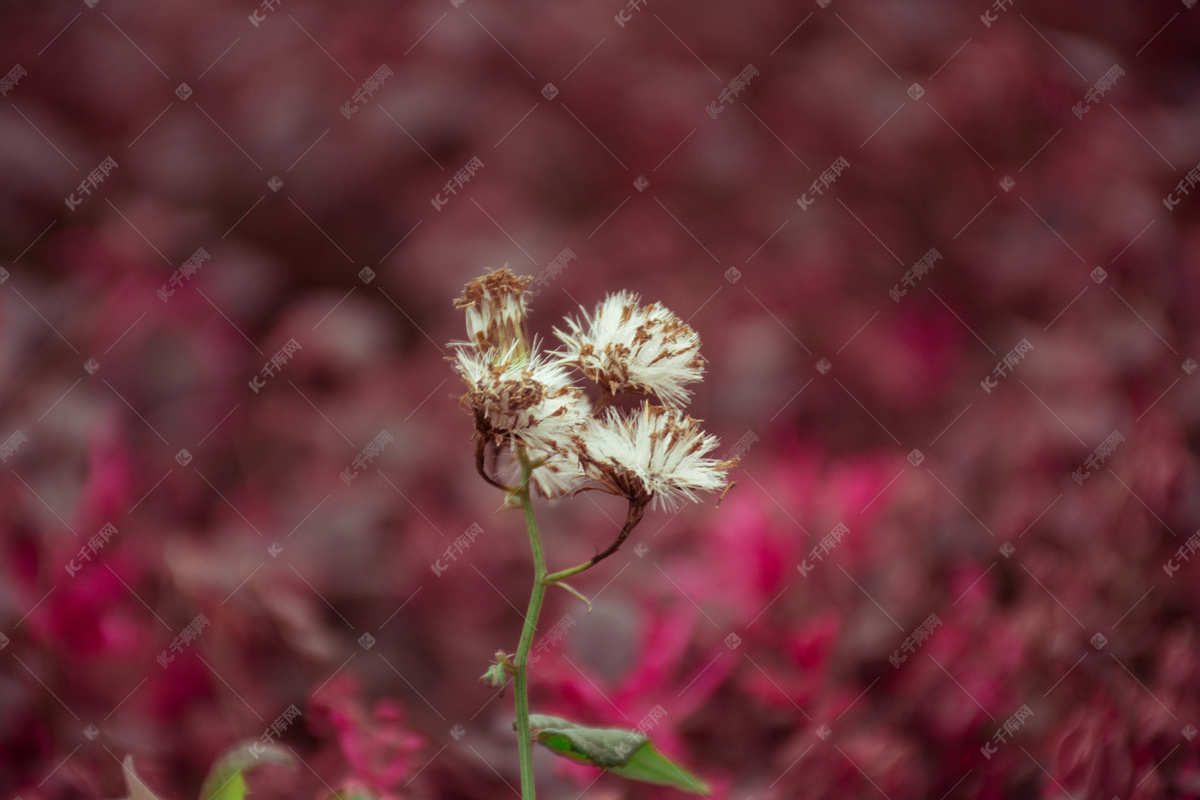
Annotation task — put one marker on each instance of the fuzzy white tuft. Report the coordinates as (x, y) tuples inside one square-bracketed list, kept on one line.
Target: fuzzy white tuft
[(529, 401), (633, 348), (656, 453)]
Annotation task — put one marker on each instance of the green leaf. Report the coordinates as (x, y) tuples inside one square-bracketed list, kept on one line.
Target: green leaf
[(626, 753), (233, 787), (225, 780), (649, 765), (600, 747)]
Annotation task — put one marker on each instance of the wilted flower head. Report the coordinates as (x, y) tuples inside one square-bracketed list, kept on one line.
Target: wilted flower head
[(495, 308), (655, 454), (527, 401), (633, 348)]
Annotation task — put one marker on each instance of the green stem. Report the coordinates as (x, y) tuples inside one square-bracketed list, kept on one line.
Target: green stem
[(566, 573), (521, 678)]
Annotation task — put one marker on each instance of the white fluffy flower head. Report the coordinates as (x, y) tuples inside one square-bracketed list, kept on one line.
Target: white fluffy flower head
[(634, 348), (528, 401), (657, 454)]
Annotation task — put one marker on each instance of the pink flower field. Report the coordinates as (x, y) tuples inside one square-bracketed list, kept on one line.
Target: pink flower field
[(941, 262)]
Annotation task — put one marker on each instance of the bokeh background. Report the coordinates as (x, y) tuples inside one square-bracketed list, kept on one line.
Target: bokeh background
[(1007, 434)]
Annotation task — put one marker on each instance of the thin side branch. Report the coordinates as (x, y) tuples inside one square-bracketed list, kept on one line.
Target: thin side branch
[(636, 509)]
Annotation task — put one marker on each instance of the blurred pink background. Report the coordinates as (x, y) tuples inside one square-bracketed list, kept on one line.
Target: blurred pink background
[(943, 258)]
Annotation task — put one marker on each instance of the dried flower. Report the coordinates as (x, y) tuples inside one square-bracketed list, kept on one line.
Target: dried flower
[(633, 348), (495, 310), (658, 454), (527, 401)]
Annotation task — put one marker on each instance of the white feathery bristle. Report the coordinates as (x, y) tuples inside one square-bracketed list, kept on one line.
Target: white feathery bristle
[(530, 401), (634, 348), (559, 475), (657, 452)]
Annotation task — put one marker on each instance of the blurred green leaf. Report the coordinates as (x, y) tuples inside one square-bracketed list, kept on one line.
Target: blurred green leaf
[(225, 780), (649, 765), (600, 747), (232, 787), (626, 753)]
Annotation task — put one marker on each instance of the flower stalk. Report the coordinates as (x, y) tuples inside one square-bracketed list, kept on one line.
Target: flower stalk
[(521, 663), (526, 403)]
